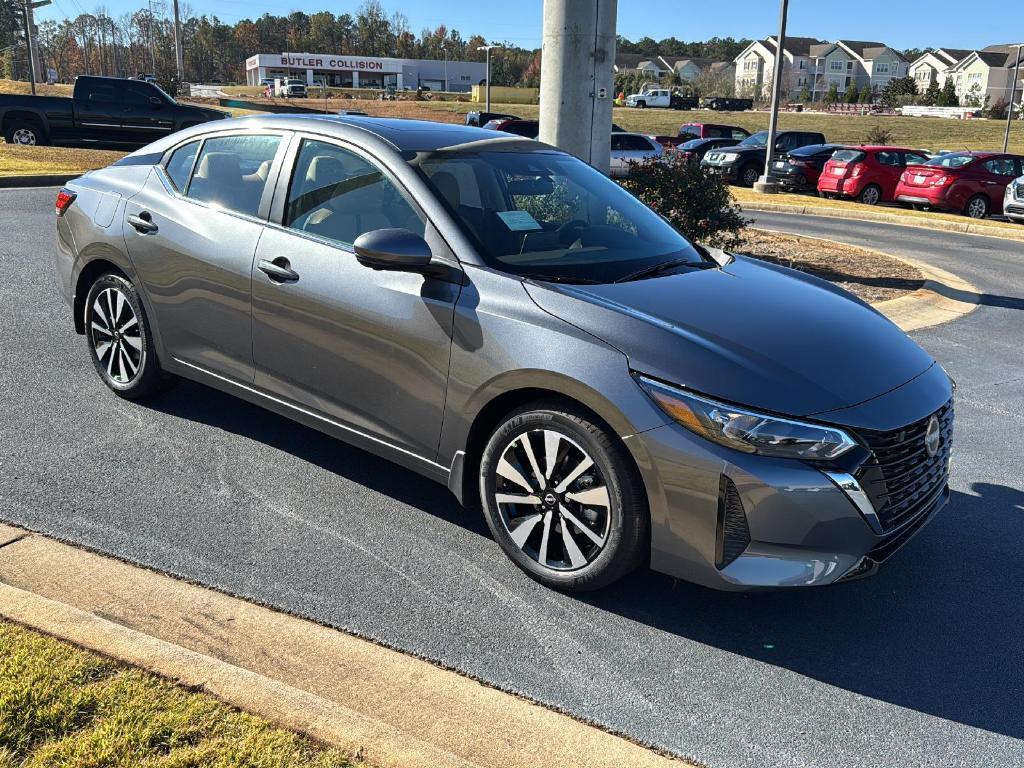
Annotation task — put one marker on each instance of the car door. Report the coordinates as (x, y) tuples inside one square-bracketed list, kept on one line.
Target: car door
[(999, 171), (191, 234), (618, 164), (145, 116), (888, 168), (98, 108), (367, 349)]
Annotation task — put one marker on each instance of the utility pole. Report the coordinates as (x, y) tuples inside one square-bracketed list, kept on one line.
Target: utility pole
[(576, 84), (179, 57), (1013, 92), (767, 184), (488, 90), (30, 30)]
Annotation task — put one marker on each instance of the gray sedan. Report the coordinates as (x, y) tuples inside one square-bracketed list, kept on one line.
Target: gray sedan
[(500, 317)]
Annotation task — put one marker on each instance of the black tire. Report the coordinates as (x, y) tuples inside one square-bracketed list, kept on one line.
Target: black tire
[(749, 174), (641, 105), (872, 197), (125, 360), (625, 525), (977, 207), (25, 133)]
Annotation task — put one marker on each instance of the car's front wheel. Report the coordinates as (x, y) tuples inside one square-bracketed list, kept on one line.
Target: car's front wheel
[(563, 498), (749, 175), (120, 340)]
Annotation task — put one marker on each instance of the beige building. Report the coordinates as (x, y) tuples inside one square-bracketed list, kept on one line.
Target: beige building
[(816, 66), (932, 66), (988, 73)]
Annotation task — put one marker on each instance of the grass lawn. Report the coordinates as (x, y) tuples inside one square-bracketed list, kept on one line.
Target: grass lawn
[(61, 706), (743, 195), (28, 161)]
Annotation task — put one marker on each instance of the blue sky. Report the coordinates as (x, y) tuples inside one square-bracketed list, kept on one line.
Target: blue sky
[(901, 23)]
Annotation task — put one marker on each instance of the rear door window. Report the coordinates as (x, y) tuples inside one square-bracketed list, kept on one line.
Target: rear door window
[(739, 134), (888, 158), (914, 158), (100, 93), (1001, 166), (232, 172), (179, 167)]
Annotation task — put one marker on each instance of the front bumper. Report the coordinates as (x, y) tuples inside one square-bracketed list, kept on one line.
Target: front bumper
[(801, 527), (1014, 209), (728, 173)]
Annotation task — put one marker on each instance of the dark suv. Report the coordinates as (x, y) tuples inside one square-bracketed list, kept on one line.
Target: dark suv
[(744, 163)]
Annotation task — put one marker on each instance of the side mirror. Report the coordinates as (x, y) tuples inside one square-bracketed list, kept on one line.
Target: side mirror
[(396, 250)]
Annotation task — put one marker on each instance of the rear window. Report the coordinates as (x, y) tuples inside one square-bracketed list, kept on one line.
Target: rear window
[(689, 130), (847, 155), (812, 149), (951, 161)]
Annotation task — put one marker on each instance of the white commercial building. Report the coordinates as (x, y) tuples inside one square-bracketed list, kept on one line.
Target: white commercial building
[(344, 71)]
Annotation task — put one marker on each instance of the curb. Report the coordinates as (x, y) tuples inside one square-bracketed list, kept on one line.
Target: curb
[(943, 296), (45, 180), (966, 228), (390, 708)]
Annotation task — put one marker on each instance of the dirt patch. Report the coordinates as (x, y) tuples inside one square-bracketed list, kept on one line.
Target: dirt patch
[(871, 276)]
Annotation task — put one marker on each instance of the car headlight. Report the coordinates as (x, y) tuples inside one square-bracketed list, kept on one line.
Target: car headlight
[(747, 430), (728, 157)]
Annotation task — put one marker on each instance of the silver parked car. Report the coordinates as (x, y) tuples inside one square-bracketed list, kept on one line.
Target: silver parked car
[(1013, 200), (500, 317), (632, 148)]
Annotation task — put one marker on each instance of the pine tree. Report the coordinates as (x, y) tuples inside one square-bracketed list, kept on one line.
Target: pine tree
[(866, 96), (805, 94), (852, 94), (948, 97), (932, 94), (832, 97)]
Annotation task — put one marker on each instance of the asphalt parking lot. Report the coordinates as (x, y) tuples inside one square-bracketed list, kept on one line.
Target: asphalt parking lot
[(919, 666)]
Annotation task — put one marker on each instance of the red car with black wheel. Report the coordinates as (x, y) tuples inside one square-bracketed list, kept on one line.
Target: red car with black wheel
[(868, 174), (972, 183)]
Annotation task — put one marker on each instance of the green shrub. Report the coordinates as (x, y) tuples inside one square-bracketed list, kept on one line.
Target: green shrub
[(878, 135), (696, 203), (852, 94)]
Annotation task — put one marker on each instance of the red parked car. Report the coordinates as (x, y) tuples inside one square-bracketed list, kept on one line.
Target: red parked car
[(869, 174), (972, 183), (712, 131)]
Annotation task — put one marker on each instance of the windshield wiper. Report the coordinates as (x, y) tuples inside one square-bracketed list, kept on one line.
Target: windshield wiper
[(665, 265), (560, 279)]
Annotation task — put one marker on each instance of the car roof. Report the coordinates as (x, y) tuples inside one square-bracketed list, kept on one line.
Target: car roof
[(402, 134), (882, 148)]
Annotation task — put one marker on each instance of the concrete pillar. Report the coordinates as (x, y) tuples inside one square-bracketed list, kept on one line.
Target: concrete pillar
[(576, 86), (355, 79)]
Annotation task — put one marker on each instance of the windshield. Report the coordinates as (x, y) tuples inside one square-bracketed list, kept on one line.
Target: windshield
[(951, 161), (758, 139), (547, 215), (694, 144)]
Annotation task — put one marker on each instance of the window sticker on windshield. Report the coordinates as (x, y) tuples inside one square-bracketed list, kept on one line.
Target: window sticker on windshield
[(519, 221)]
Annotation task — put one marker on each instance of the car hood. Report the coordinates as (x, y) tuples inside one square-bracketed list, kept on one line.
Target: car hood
[(750, 333), (743, 150)]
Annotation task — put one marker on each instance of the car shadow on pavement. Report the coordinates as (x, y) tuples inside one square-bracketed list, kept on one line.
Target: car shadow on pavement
[(939, 629), (209, 406)]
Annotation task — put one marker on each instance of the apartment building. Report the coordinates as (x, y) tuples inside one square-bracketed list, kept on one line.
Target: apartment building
[(756, 64), (988, 73), (687, 68), (931, 67)]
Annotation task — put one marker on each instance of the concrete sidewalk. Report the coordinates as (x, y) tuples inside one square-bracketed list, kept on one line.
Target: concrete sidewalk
[(390, 708)]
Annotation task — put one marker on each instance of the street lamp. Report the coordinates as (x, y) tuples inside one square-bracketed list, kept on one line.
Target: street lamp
[(767, 183), (1013, 92), (487, 48)]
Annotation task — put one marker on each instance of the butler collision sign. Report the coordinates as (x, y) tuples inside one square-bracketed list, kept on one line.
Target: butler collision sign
[(347, 71)]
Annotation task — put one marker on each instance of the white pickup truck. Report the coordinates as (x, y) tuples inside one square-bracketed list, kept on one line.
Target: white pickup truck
[(651, 97), (289, 87)]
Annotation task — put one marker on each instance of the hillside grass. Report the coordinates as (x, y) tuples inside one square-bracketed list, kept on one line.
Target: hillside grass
[(32, 161), (61, 706)]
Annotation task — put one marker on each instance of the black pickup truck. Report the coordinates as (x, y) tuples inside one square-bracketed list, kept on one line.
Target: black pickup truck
[(110, 111)]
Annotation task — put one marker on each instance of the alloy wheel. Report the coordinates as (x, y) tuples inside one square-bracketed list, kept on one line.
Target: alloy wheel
[(553, 500), (977, 208), (870, 196), (24, 136), (750, 176), (116, 335)]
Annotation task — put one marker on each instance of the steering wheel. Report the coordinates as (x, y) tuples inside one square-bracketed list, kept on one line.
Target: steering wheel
[(570, 232)]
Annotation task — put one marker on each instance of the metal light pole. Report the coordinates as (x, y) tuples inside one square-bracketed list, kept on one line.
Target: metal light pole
[(488, 91), (445, 49), (767, 183), (1013, 92)]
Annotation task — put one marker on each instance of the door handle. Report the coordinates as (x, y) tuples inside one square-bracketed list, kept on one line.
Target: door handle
[(143, 223), (279, 270)]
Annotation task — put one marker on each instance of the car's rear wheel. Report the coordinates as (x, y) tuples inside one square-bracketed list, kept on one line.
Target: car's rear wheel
[(870, 195), (563, 498), (749, 175), (24, 133), (120, 340), (977, 207)]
